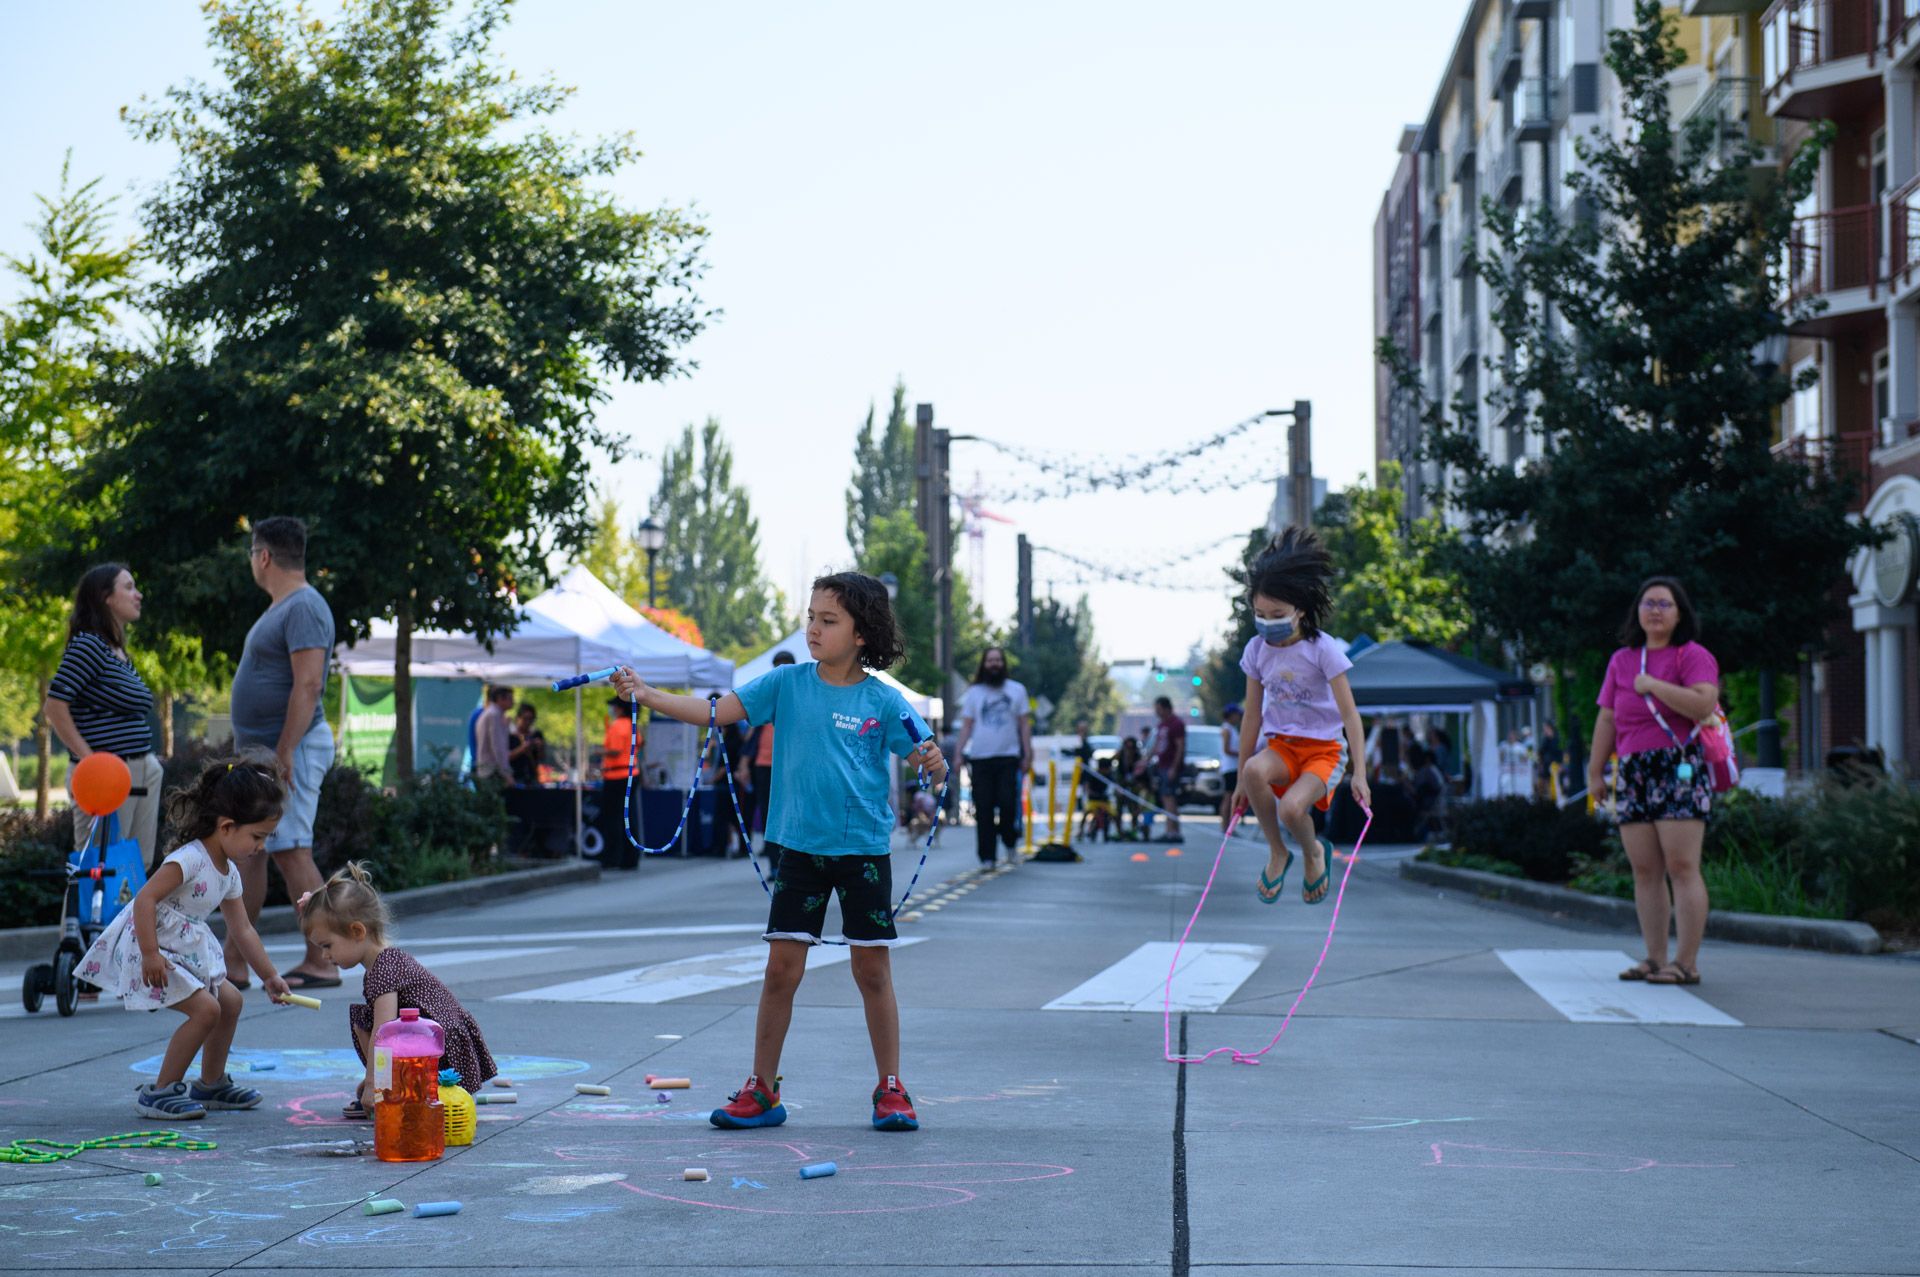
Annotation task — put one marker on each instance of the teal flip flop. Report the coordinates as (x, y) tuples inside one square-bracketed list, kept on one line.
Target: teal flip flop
[(1272, 886), (1319, 884)]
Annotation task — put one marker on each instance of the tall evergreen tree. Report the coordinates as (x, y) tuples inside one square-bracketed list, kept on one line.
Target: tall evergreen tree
[(711, 563), (1629, 342), (883, 472)]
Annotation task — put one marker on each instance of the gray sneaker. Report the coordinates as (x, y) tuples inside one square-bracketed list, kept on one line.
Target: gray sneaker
[(224, 1094), (168, 1103)]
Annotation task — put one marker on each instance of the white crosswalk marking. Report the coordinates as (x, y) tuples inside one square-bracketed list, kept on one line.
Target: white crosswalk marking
[(1585, 986), (665, 981), (1209, 974)]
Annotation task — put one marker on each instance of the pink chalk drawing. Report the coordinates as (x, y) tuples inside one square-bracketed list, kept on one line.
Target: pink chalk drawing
[(1485, 1157), (305, 1116)]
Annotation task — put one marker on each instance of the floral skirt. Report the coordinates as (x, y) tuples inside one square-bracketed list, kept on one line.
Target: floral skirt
[(1656, 785)]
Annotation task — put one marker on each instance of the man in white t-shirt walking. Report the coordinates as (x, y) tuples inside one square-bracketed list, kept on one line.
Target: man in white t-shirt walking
[(996, 739)]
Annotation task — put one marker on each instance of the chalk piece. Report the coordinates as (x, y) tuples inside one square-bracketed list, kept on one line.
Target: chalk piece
[(661, 1097), (667, 1037), (496, 1097), (384, 1206), (1173, 851), (587, 1088), (670, 1083), (698, 1173), (504, 1083), (426, 1209), (1140, 857), (154, 1179), (819, 1170), (262, 1066), (302, 1000)]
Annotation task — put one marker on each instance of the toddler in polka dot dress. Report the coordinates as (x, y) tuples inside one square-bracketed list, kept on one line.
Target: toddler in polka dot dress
[(348, 921)]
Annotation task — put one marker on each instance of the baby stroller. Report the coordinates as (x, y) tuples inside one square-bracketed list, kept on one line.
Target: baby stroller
[(102, 878)]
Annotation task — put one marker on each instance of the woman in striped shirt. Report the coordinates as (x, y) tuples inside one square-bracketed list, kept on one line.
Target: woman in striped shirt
[(97, 703)]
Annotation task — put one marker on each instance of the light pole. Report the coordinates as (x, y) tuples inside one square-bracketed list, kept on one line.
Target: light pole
[(1769, 353), (652, 538)]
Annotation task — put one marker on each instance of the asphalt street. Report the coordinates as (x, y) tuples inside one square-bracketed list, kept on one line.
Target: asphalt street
[(1464, 1090)]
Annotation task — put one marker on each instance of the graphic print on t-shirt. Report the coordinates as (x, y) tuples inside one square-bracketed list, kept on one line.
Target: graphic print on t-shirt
[(865, 739)]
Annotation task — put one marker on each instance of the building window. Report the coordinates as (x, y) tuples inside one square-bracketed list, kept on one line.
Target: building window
[(1882, 390), (1806, 402)]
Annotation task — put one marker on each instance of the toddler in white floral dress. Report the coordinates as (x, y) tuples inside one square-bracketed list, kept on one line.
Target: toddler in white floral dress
[(161, 953)]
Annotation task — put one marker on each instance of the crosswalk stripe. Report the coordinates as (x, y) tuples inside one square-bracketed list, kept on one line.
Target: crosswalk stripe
[(1209, 974), (682, 978), (1585, 986)]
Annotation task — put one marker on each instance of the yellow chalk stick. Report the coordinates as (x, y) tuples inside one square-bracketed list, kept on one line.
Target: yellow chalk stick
[(694, 1173), (302, 1000)]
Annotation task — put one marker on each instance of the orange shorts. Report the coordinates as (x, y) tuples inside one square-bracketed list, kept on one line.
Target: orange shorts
[(1305, 756)]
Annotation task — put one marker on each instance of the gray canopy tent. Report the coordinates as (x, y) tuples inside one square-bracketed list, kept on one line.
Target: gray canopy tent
[(1410, 677)]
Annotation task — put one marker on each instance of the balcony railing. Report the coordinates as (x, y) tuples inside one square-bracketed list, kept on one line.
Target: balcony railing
[(1533, 109), (1839, 457), (1903, 232), (1506, 175), (1833, 251), (1503, 66), (1730, 104), (1799, 34)]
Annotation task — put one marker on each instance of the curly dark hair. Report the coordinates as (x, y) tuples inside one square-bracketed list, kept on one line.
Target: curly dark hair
[(1295, 568), (866, 602), (244, 789), (1686, 623)]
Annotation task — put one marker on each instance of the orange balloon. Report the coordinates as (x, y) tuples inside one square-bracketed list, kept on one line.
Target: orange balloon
[(101, 782)]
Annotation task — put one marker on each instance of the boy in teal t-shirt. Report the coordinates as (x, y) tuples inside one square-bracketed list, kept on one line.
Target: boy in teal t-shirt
[(831, 819)]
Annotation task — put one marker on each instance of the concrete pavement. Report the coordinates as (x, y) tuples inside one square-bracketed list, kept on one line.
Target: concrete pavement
[(1438, 1103)]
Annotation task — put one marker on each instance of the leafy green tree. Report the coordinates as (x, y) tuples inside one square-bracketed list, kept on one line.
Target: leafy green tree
[(1063, 664), (883, 472), (403, 295), (57, 347), (1629, 339), (712, 557), (1391, 582)]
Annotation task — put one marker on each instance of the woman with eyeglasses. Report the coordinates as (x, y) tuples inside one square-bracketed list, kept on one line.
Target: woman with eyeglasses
[(1658, 687)]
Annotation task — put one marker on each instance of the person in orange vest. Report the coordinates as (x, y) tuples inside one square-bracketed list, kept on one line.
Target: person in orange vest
[(619, 744)]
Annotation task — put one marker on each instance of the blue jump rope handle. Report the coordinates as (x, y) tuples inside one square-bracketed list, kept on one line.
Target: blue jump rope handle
[(581, 680), (913, 732)]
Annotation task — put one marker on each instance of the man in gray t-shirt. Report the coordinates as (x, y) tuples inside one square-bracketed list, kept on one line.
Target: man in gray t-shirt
[(278, 704)]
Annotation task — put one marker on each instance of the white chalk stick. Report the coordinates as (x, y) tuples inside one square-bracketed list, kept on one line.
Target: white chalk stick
[(587, 1088), (695, 1173)]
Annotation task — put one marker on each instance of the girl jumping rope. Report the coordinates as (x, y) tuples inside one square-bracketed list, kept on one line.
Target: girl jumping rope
[(348, 922), (161, 953), (831, 820), (1297, 692)]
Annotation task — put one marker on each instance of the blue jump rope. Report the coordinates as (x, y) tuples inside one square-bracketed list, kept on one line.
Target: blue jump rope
[(715, 739)]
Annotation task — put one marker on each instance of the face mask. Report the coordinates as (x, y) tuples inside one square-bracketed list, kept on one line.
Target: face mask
[(1274, 632)]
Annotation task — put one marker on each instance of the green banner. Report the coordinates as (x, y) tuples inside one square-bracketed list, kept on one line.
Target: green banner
[(366, 737)]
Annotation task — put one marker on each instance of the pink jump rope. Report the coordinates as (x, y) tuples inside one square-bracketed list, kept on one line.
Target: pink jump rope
[(1166, 1000)]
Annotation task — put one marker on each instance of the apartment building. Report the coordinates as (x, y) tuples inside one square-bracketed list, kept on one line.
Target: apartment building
[(1524, 80)]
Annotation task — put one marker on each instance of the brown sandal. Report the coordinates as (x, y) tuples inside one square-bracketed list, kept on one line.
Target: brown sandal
[(1674, 973), (1640, 970)]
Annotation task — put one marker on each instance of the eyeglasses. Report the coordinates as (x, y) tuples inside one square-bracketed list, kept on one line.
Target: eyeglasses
[(1656, 605)]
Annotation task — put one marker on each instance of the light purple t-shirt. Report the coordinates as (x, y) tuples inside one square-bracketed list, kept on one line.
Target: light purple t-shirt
[(1634, 728), (1297, 681)]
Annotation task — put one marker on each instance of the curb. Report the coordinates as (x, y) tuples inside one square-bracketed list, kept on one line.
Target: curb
[(36, 944), (1745, 928)]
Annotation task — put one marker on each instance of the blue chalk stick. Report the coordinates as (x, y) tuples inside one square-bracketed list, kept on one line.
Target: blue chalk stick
[(425, 1209), (262, 1066), (819, 1170)]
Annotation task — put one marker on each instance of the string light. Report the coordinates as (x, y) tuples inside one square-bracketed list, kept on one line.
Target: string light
[(1161, 473)]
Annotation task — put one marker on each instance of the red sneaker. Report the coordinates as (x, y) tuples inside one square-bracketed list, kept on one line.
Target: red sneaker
[(751, 1105), (893, 1107)]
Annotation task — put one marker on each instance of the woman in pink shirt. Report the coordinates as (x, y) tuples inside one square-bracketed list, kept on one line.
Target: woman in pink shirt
[(1658, 688)]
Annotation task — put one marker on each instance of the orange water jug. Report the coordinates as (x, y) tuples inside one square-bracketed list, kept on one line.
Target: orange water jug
[(409, 1124)]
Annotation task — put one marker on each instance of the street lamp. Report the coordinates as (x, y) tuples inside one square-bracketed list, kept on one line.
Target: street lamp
[(892, 583), (1769, 355), (652, 538)]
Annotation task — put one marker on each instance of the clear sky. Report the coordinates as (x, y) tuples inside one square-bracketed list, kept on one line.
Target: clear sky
[(1093, 227)]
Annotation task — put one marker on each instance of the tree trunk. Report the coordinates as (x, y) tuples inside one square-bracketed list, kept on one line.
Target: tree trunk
[(43, 745), (166, 724), (403, 691)]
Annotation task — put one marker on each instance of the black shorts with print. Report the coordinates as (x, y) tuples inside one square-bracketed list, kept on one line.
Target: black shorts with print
[(1651, 786), (805, 881)]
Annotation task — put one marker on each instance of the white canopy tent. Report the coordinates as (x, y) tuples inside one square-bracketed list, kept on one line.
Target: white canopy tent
[(574, 628), (927, 707)]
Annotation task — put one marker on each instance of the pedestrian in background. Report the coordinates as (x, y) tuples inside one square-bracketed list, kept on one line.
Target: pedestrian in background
[(996, 739)]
